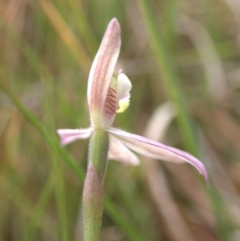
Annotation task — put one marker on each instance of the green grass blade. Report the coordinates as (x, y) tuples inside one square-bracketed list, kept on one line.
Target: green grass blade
[(39, 208)]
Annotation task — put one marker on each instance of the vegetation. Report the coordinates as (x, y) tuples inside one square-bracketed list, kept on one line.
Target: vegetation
[(183, 52)]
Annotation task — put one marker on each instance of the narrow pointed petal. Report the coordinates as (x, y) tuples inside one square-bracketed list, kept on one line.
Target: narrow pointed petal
[(121, 153), (69, 135), (102, 71), (157, 150)]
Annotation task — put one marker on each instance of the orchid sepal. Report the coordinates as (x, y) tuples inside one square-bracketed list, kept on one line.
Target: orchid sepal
[(101, 74), (157, 150), (70, 135), (119, 152)]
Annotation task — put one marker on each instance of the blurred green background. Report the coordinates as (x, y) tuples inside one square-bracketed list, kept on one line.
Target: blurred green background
[(184, 52)]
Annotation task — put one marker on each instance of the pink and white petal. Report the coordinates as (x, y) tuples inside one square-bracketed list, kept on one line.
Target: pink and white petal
[(157, 150), (121, 153), (69, 135), (91, 75), (101, 72)]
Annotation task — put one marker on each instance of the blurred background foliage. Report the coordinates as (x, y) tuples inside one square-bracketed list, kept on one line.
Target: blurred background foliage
[(182, 57)]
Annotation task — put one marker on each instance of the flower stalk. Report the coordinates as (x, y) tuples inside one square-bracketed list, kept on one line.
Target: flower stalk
[(92, 205), (98, 151), (93, 186)]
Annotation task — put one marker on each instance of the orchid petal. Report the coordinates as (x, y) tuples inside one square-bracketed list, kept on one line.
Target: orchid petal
[(69, 135), (121, 153), (123, 92), (157, 150), (102, 71)]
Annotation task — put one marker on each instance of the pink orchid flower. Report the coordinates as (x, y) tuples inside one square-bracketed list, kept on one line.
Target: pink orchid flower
[(108, 93)]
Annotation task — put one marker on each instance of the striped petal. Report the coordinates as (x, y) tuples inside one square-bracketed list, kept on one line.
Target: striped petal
[(121, 153), (101, 73), (157, 150), (69, 135)]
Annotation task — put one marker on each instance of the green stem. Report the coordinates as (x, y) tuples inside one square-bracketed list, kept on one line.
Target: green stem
[(93, 185)]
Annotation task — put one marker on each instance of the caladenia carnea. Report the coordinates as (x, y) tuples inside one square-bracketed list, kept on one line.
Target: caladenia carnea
[(108, 93)]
